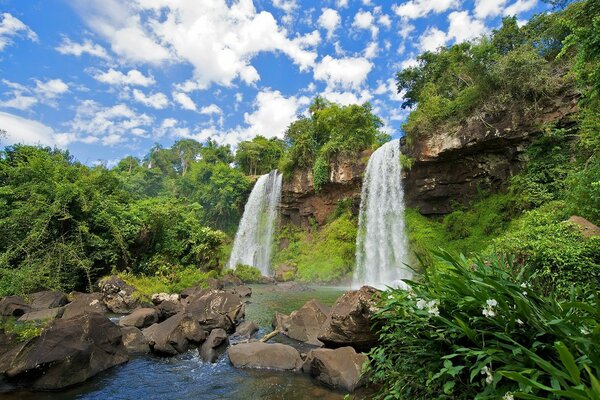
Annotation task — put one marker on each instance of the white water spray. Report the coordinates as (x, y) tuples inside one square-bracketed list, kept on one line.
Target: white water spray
[(254, 237), (381, 244)]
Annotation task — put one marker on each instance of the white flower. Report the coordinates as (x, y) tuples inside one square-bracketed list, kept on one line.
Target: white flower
[(432, 308), (584, 331), (492, 303), (390, 297), (421, 304), (487, 371), (520, 322), (489, 312), (508, 396)]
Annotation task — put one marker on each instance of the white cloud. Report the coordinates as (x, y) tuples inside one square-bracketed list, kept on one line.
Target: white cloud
[(51, 89), (411, 62), (117, 78), (488, 8), (27, 131), (432, 39), (286, 5), (365, 20), (23, 97), (211, 109), (69, 47), (19, 101), (520, 6), (405, 30), (384, 20), (421, 8), (184, 101), (388, 87), (11, 27), (342, 3), (347, 97), (156, 100), (371, 50), (329, 20), (347, 73), (463, 27), (231, 34)]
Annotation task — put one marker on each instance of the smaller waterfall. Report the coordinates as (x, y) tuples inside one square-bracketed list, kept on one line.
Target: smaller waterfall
[(254, 237), (381, 244)]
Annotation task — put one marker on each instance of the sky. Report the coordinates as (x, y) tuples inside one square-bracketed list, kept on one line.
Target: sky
[(106, 79)]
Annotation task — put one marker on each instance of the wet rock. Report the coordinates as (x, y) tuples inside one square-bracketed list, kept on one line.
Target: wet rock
[(168, 308), (174, 335), (158, 298), (263, 355), (43, 315), (340, 368), (285, 272), (68, 352), (214, 284), (230, 280), (217, 338), (281, 322), (118, 295), (134, 340), (305, 324), (140, 318), (47, 299), (13, 306), (586, 228), (242, 291), (246, 329), (350, 320), (85, 303), (217, 309)]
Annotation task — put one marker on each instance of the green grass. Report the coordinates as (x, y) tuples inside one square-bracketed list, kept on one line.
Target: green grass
[(23, 330), (175, 282)]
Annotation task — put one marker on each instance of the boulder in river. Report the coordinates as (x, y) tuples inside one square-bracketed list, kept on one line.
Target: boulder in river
[(217, 309), (47, 299), (305, 323), (118, 295), (350, 320), (13, 306), (263, 355), (340, 368), (168, 308), (43, 315), (174, 335), (158, 298), (85, 303), (140, 318), (68, 352), (134, 340), (217, 338), (246, 329), (230, 280)]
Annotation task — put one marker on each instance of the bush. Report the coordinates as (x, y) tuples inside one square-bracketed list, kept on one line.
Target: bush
[(474, 330), (248, 274), (167, 280)]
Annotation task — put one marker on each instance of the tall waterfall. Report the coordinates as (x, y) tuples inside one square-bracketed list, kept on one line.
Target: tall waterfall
[(381, 244), (254, 237)]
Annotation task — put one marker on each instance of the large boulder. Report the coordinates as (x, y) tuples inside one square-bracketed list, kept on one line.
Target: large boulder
[(242, 291), (47, 299), (230, 280), (85, 303), (173, 336), (285, 272), (263, 355), (13, 306), (118, 295), (350, 320), (43, 315), (217, 338), (246, 329), (158, 298), (68, 352), (305, 324), (217, 309), (140, 318), (584, 226), (340, 368), (134, 340), (281, 322), (168, 308)]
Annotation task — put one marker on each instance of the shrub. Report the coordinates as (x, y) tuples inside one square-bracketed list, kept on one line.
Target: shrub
[(167, 280), (477, 331), (248, 274)]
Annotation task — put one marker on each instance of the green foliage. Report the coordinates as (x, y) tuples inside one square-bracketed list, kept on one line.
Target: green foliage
[(23, 331), (259, 155), (167, 280), (320, 173), (474, 330), (406, 162), (248, 273), (583, 197)]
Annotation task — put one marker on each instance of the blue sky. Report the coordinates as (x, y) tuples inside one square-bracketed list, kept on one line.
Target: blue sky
[(108, 78)]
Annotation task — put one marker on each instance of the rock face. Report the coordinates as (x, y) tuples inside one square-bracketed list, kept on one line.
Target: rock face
[(217, 338), (340, 368), (140, 318), (13, 306), (216, 309), (70, 351), (174, 335), (118, 295), (586, 228), (481, 154), (300, 203), (47, 299), (85, 303), (305, 323), (350, 320), (262, 355), (285, 272)]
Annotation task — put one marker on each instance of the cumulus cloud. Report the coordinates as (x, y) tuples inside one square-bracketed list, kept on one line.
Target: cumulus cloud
[(156, 100), (11, 27), (156, 31), (285, 5), (118, 78), (520, 6), (371, 50), (432, 39), (27, 131), (24, 97), (211, 109), (329, 20), (488, 8), (421, 8), (68, 47), (464, 27), (346, 73), (365, 20), (184, 101)]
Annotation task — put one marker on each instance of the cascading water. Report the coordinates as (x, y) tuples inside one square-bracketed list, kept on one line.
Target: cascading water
[(381, 244), (254, 237)]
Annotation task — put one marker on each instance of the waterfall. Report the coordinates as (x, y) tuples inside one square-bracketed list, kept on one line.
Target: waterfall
[(254, 237), (381, 244)]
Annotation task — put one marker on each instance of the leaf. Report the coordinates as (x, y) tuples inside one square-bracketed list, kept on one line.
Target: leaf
[(448, 386), (569, 362)]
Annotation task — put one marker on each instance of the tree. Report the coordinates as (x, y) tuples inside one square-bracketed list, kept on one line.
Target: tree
[(259, 155), (187, 150)]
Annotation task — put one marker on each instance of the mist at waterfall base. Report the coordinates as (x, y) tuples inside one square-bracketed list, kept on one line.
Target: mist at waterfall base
[(381, 244), (254, 237)]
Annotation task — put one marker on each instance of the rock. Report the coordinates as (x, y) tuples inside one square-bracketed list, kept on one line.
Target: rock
[(85, 303), (68, 352), (118, 295), (174, 335), (214, 284), (285, 272), (281, 322), (292, 287), (13, 306), (586, 228), (134, 340), (263, 355), (140, 318), (208, 350), (168, 308), (340, 368), (230, 280), (305, 324), (217, 309), (242, 291), (349, 322), (42, 315), (47, 299), (246, 329), (158, 298)]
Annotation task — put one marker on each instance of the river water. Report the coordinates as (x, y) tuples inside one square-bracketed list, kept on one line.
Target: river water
[(188, 377)]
